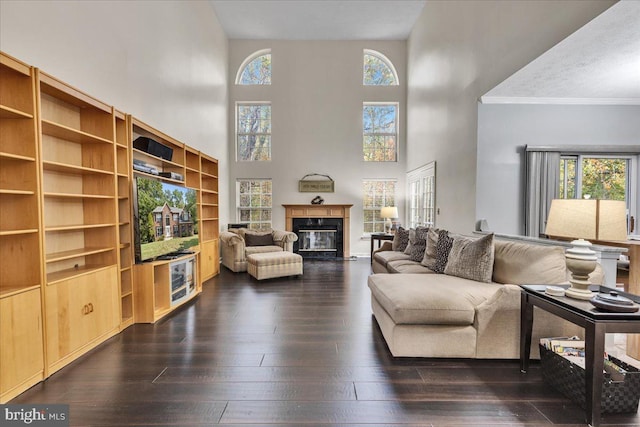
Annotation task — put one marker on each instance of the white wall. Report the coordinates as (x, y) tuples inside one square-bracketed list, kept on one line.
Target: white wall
[(504, 130), (457, 51), (165, 62), (316, 96)]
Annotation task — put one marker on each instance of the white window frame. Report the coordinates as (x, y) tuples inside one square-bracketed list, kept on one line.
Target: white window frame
[(247, 61), (376, 209), (260, 224), (238, 134), (384, 59), (421, 203), (396, 135)]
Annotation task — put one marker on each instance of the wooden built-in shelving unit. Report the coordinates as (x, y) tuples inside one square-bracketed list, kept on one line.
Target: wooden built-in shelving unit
[(68, 278)]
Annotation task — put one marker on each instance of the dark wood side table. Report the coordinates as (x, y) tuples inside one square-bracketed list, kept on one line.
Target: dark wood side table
[(379, 237), (595, 323)]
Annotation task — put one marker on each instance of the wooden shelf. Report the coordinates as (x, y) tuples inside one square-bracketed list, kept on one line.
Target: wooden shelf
[(7, 112), (63, 275), (158, 177), (18, 232), (209, 204), (204, 190), (78, 196), (69, 134), (68, 168), (76, 253), (208, 175), (164, 162), (11, 156), (17, 192), (75, 227), (15, 290)]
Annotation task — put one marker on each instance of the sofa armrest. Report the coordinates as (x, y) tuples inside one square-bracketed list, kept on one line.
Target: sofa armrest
[(231, 239), (386, 246), (284, 239)]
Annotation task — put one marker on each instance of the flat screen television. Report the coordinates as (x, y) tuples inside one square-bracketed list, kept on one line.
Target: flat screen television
[(165, 219)]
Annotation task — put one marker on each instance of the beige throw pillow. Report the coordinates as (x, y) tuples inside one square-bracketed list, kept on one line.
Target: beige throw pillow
[(430, 256), (471, 259)]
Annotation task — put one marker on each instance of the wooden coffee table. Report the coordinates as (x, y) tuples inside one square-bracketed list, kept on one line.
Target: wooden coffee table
[(595, 323)]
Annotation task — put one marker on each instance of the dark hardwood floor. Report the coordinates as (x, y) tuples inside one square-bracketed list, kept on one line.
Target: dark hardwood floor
[(292, 351)]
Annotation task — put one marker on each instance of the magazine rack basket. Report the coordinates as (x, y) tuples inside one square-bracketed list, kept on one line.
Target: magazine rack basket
[(569, 379)]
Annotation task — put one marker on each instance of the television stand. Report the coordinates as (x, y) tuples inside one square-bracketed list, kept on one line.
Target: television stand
[(165, 284)]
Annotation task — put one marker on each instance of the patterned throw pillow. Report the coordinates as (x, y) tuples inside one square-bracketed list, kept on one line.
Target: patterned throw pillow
[(400, 240), (429, 259), (445, 242), (418, 244), (472, 258)]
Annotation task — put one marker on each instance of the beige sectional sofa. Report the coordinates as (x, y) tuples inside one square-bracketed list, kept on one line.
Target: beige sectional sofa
[(235, 250), (424, 314)]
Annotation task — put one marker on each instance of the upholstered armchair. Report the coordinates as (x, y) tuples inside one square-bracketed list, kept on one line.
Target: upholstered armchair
[(239, 243)]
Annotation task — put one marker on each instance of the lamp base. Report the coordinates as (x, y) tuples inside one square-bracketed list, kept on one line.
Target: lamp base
[(387, 225), (581, 261)]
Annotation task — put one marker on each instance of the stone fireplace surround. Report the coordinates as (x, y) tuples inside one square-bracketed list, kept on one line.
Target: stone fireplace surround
[(320, 214)]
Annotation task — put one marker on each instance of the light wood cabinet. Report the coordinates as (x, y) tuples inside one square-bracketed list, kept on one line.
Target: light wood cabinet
[(125, 215), (210, 221), (21, 351), (21, 326), (162, 286), (81, 312), (68, 278)]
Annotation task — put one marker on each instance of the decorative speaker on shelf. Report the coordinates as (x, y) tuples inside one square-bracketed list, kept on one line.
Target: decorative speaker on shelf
[(153, 147)]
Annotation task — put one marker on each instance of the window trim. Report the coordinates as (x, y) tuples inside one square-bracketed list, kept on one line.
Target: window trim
[(237, 134), (395, 197), (238, 207), (396, 134), (247, 61), (387, 62)]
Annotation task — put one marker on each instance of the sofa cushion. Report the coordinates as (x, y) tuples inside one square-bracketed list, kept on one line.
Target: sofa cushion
[(471, 258), (520, 263), (430, 299), (430, 256), (384, 257), (400, 240), (248, 250), (258, 239), (443, 247), (417, 243), (407, 266)]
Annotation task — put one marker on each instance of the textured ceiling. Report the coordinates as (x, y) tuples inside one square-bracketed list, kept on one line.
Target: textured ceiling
[(318, 19), (598, 64)]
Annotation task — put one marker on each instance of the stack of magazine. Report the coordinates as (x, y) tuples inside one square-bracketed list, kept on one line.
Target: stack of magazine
[(572, 349)]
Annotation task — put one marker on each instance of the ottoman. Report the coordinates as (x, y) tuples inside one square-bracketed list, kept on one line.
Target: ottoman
[(274, 264)]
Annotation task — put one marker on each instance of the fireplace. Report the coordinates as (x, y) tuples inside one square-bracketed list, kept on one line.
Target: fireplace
[(319, 237), (323, 230)]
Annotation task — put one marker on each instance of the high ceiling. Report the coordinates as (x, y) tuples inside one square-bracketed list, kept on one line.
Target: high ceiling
[(318, 19), (598, 64)]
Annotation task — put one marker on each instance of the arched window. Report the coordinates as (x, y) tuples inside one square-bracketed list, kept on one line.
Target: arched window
[(256, 69), (378, 70)]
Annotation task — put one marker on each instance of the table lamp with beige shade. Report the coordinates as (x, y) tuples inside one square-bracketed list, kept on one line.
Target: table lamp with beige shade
[(584, 219), (387, 213)]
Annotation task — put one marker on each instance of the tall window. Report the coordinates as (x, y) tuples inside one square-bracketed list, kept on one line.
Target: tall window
[(379, 132), (421, 185), (256, 69), (253, 138), (377, 70), (254, 200), (376, 195)]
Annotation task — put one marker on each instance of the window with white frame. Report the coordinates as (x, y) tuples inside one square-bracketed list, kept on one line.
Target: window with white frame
[(421, 189), (256, 69), (254, 199), (605, 177), (378, 70), (377, 193), (379, 132), (253, 137)]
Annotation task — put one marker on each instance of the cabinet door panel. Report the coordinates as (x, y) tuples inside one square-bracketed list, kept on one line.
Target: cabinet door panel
[(21, 348), (79, 310), (209, 259)]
